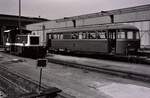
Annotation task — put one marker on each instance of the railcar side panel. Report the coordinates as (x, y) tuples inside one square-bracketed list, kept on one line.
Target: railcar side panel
[(112, 39), (81, 45), (127, 46)]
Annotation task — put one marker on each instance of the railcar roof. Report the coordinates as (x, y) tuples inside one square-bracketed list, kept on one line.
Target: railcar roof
[(100, 27)]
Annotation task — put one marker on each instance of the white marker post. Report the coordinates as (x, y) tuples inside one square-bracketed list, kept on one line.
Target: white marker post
[(41, 63)]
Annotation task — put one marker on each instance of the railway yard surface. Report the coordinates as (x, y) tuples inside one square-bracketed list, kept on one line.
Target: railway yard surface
[(82, 83)]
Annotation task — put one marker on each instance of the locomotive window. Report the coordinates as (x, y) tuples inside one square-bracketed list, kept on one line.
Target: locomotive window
[(21, 39), (34, 40)]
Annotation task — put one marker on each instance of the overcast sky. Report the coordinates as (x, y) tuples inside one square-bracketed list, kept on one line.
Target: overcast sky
[(54, 9)]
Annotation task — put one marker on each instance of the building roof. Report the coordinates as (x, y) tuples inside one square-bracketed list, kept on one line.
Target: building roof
[(12, 20), (106, 13)]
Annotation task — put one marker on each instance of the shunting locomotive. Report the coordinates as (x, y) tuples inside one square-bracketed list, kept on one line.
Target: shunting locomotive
[(23, 43), (115, 39)]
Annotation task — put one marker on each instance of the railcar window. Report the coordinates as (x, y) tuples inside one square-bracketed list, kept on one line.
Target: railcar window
[(61, 36), (92, 35), (58, 36), (84, 35), (50, 36), (101, 35), (112, 34), (80, 35), (75, 36), (67, 36), (55, 36)]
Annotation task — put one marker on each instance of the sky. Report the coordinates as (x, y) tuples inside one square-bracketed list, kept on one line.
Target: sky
[(55, 9)]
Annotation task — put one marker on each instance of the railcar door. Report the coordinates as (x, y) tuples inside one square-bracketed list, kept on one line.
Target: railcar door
[(111, 36)]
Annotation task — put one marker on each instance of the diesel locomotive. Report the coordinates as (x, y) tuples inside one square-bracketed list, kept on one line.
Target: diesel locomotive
[(115, 39), (23, 43)]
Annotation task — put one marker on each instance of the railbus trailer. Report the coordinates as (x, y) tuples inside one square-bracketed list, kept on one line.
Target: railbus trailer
[(116, 39)]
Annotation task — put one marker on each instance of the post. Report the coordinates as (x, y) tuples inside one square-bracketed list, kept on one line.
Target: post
[(43, 28), (40, 79), (112, 18), (41, 63), (19, 21)]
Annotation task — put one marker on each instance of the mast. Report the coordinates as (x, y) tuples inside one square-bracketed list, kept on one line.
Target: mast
[(19, 20)]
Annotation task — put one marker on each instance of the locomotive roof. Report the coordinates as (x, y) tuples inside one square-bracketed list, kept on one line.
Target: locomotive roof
[(17, 31), (100, 27)]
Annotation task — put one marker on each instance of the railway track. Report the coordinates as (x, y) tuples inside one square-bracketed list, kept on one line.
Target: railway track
[(17, 85), (105, 69), (140, 58), (10, 88), (101, 69)]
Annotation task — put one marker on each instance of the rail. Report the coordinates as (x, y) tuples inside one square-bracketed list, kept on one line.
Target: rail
[(20, 86)]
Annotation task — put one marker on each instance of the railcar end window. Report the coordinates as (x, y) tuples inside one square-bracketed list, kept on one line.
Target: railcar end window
[(137, 35), (121, 35), (130, 35)]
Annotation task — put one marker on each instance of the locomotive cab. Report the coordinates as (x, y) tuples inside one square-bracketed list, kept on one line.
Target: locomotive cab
[(28, 40)]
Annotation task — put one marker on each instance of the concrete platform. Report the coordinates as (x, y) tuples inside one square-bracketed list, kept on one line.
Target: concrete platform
[(116, 65), (75, 81)]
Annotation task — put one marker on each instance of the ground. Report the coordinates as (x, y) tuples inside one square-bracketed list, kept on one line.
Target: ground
[(77, 82)]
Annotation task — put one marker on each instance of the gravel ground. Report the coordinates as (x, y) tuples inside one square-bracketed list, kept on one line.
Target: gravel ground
[(77, 82)]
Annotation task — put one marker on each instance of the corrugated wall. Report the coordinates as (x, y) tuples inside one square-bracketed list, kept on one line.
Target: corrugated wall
[(138, 16)]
